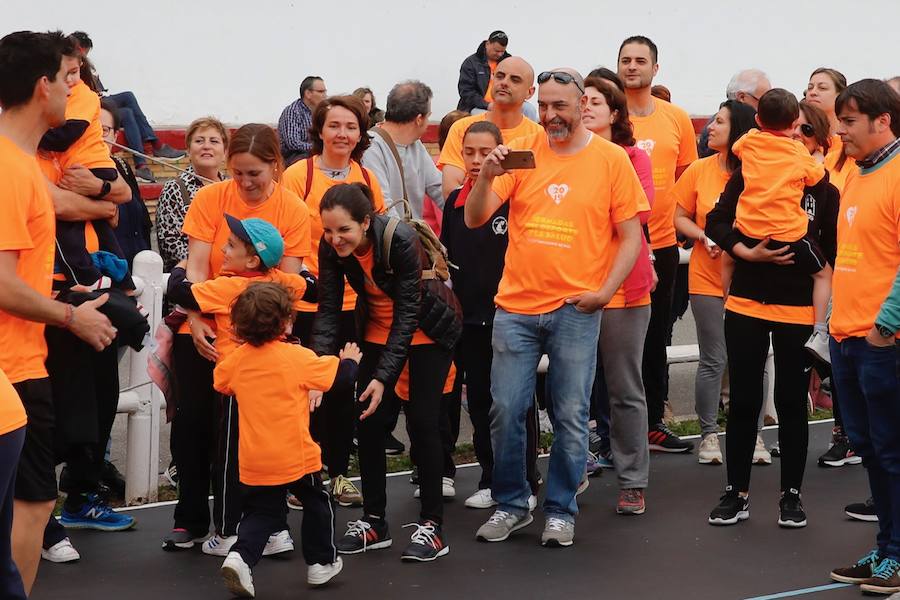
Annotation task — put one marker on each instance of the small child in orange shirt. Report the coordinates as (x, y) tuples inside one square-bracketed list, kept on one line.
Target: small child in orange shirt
[(776, 169), (271, 378)]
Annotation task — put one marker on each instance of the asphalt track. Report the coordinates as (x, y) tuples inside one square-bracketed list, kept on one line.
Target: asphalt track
[(669, 552)]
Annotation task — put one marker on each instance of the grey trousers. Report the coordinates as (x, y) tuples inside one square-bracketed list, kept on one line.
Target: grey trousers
[(709, 318), (622, 335)]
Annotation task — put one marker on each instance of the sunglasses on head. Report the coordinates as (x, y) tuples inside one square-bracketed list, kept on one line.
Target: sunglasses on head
[(559, 77), (500, 37), (807, 130)]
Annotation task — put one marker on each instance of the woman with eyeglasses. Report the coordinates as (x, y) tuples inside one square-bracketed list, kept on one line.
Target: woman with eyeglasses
[(822, 90)]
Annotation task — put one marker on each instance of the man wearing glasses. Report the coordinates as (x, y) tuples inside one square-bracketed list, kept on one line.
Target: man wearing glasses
[(747, 87), (477, 71), (573, 237), (296, 119)]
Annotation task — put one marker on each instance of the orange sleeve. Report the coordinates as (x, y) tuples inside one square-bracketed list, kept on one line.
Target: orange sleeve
[(214, 296), (80, 106), (296, 283), (626, 188), (687, 149), (505, 185), (377, 193), (451, 153), (296, 232), (294, 178), (813, 171), (223, 373), (200, 220), (685, 189), (316, 372), (14, 214)]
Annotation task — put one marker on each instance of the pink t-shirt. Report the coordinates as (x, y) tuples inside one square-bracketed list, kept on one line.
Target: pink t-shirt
[(639, 282)]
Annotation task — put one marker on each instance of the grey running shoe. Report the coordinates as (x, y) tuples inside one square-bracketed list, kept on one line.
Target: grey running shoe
[(558, 532), (500, 525)]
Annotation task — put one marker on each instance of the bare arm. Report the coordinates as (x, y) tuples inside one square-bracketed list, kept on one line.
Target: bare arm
[(198, 271), (451, 178), (291, 264), (70, 206), (482, 201), (82, 181)]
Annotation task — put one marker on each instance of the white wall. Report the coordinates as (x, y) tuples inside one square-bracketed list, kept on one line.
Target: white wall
[(243, 61)]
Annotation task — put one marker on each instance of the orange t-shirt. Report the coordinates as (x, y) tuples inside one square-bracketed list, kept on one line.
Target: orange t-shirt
[(215, 297), (487, 94), (89, 150), (402, 386), (562, 218), (697, 192), (667, 136), (618, 299), (779, 313), (776, 168), (295, 180), (12, 413), (381, 307), (838, 177), (205, 220), (452, 152), (27, 226), (271, 384), (868, 255)]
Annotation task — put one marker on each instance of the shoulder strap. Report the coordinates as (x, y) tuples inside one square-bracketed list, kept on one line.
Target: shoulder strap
[(393, 148), (182, 189), (309, 177), (365, 174), (386, 244)]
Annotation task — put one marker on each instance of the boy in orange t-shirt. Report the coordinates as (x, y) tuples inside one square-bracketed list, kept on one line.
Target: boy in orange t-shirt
[(272, 379), (776, 169)]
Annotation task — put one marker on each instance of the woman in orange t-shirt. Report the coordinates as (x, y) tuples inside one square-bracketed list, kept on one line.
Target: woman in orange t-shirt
[(822, 90), (339, 139), (696, 193), (402, 317), (254, 159)]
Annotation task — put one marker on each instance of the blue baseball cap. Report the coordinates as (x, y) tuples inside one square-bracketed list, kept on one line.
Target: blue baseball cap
[(260, 234)]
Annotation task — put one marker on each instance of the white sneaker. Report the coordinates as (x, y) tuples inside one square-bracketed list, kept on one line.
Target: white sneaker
[(322, 574), (710, 453), (585, 482), (61, 552), (278, 543), (481, 499), (761, 456), (532, 503), (237, 576), (218, 545), (817, 344), (448, 488)]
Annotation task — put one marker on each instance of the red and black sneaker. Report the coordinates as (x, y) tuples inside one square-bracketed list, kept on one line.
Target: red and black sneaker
[(426, 543), (663, 440), (364, 535)]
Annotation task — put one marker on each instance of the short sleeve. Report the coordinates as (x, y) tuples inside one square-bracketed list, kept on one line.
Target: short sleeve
[(214, 296), (294, 178), (684, 192), (315, 372), (505, 186), (626, 188), (202, 220), (451, 153), (224, 372), (687, 149), (15, 206), (296, 229)]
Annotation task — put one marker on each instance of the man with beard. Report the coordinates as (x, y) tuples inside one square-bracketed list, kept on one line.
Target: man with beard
[(666, 134), (513, 84), (574, 235)]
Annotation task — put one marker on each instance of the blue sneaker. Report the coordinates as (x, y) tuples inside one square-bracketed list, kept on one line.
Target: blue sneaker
[(605, 460), (95, 514)]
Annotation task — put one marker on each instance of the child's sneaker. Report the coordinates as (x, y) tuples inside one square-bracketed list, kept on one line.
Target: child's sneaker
[(322, 574), (293, 502), (237, 576), (817, 345), (363, 535), (426, 543), (182, 539), (862, 511), (218, 545), (278, 543), (345, 493), (61, 552), (95, 514), (481, 499)]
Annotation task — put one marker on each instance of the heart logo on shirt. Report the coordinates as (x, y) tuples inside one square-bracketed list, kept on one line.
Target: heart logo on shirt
[(558, 191), (851, 215), (646, 146)]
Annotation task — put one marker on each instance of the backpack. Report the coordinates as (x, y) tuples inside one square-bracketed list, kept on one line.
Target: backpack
[(438, 266)]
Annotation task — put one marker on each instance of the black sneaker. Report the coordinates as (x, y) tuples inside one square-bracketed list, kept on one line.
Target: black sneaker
[(595, 442), (393, 446), (113, 479), (426, 543), (790, 510), (663, 440), (168, 152), (839, 453), (182, 539), (862, 511), (731, 508), (144, 175), (364, 535)]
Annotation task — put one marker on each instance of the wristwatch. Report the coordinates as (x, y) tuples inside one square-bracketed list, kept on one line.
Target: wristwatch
[(884, 331), (104, 189)]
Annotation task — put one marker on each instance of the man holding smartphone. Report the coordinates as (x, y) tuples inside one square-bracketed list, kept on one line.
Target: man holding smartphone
[(573, 237)]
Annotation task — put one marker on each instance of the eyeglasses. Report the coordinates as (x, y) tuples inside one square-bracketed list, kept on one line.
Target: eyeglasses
[(559, 77), (108, 130), (807, 130)]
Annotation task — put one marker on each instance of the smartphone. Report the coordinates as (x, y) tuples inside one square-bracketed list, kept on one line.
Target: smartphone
[(518, 159)]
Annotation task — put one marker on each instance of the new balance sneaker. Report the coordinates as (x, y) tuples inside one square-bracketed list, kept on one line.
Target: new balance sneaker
[(595, 441), (761, 456), (293, 502), (61, 552), (817, 345), (862, 511), (237, 576), (322, 574), (426, 543), (732, 508), (218, 545), (710, 453), (448, 488), (860, 571), (585, 482), (885, 578), (631, 502), (393, 446), (170, 476), (481, 499), (182, 539), (278, 543), (839, 451), (558, 532), (362, 536), (663, 440), (345, 493), (95, 514), (790, 509), (501, 525)]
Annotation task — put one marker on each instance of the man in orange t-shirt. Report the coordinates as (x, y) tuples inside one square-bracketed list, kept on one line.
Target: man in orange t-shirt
[(561, 270), (865, 318), (666, 134), (33, 94)]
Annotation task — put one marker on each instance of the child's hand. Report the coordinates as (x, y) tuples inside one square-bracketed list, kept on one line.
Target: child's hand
[(352, 352), (315, 400)]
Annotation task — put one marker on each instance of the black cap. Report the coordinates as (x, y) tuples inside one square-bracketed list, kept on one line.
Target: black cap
[(498, 36)]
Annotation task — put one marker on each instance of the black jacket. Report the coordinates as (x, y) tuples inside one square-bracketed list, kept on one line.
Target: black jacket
[(427, 305), (767, 282), (474, 77), (133, 230), (479, 255)]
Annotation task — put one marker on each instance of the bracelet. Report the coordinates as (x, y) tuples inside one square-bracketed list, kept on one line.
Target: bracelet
[(69, 318)]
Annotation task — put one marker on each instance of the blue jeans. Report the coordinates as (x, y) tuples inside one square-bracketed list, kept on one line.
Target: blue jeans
[(569, 338), (134, 122), (868, 381)]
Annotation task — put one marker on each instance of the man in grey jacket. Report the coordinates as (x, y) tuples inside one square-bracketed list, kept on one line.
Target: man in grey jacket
[(476, 71)]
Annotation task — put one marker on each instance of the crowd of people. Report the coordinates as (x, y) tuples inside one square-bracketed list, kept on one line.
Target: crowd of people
[(338, 275)]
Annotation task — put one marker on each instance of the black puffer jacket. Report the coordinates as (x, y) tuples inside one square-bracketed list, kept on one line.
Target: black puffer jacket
[(426, 305), (474, 77)]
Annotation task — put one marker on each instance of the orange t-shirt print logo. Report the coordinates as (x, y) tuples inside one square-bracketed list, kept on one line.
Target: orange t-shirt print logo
[(851, 215), (646, 146), (557, 191)]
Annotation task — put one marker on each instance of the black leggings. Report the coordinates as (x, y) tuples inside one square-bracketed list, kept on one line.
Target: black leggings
[(747, 342), (654, 369)]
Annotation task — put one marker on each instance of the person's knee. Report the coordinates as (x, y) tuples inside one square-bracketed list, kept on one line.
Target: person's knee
[(31, 514)]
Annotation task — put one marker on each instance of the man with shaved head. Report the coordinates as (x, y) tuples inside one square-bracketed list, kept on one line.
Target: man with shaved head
[(573, 237), (513, 84)]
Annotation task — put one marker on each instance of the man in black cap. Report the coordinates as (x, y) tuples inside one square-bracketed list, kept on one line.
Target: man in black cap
[(477, 70)]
